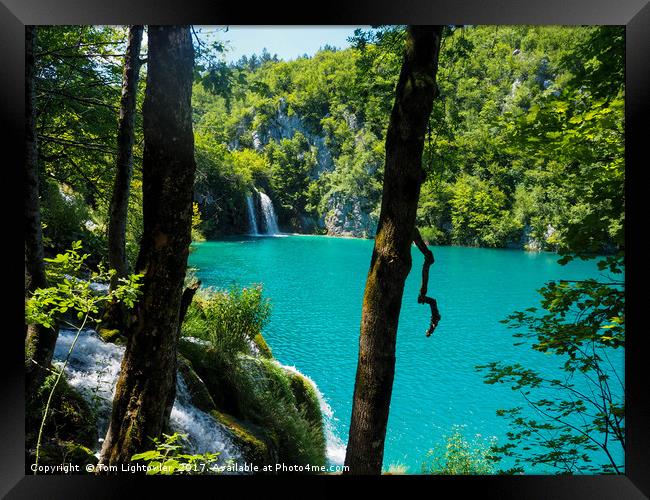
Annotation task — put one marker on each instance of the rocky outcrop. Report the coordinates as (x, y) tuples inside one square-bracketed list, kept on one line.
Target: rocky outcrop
[(284, 126), (535, 244), (198, 392), (346, 217)]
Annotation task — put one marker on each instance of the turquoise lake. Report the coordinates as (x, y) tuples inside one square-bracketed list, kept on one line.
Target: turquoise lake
[(316, 285)]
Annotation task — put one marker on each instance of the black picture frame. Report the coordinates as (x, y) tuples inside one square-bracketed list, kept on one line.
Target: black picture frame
[(634, 14)]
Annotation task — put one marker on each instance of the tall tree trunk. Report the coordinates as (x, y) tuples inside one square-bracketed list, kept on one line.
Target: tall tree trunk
[(39, 341), (147, 382), (391, 257), (125, 138), (115, 316)]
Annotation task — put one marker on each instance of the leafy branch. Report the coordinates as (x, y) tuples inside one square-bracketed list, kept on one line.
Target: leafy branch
[(583, 322), (69, 294)]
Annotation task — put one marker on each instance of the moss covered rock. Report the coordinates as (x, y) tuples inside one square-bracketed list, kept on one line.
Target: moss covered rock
[(113, 336), (274, 413), (70, 431), (207, 365), (263, 347), (258, 446), (196, 387), (60, 452), (70, 417), (298, 425), (306, 398)]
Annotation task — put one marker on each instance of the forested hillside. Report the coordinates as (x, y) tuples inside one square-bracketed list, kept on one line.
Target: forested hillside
[(523, 113)]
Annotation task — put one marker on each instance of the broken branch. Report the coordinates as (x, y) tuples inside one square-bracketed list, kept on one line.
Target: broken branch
[(422, 297)]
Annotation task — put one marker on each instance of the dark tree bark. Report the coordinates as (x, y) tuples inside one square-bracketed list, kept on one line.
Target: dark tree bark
[(422, 297), (186, 301), (39, 341), (391, 257), (115, 316), (125, 138), (147, 382)]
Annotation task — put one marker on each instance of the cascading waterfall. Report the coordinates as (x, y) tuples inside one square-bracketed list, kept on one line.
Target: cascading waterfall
[(270, 219), (93, 370), (252, 220)]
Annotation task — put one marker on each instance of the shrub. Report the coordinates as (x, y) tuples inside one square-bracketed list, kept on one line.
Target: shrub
[(228, 320), (243, 377), (458, 456)]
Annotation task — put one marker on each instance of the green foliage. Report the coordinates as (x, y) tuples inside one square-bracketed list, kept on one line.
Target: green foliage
[(525, 142), (269, 399), (542, 132), (168, 458), (228, 320), (434, 212), (67, 295), (458, 456), (357, 176), (432, 235), (572, 136), (197, 235), (220, 186), (292, 162), (582, 414), (258, 389), (78, 86), (64, 216), (303, 119), (528, 126), (70, 294), (78, 89), (478, 214)]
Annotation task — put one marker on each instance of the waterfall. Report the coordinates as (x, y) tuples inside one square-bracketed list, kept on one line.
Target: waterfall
[(259, 203), (270, 220), (93, 370), (252, 220)]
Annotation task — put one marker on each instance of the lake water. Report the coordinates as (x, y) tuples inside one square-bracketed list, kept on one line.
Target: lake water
[(316, 285)]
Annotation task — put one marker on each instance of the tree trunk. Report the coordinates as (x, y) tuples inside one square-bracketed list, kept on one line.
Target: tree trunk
[(115, 316), (391, 257), (39, 341), (125, 138), (147, 382)]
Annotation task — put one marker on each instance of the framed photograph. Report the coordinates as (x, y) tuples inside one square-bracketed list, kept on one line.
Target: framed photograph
[(366, 243)]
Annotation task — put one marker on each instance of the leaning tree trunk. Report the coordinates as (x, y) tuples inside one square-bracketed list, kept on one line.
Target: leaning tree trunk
[(39, 341), (116, 314), (147, 382), (391, 257)]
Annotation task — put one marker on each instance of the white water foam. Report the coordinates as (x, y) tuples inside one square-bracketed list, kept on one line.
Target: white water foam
[(93, 369)]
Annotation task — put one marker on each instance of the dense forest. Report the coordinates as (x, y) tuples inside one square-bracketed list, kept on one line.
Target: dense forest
[(523, 112), (145, 139)]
